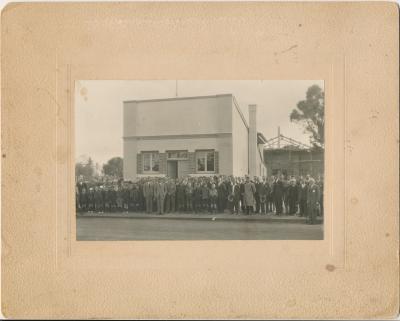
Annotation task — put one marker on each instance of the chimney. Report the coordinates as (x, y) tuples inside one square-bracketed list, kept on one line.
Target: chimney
[(252, 140)]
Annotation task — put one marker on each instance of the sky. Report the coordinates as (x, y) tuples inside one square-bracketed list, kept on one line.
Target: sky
[(98, 107)]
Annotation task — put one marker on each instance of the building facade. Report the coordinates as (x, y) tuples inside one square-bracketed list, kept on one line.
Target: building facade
[(177, 137)]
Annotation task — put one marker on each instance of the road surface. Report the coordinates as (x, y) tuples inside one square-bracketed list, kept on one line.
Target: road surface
[(108, 229)]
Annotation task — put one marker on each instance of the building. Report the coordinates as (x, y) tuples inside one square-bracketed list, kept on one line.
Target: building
[(290, 157), (177, 137)]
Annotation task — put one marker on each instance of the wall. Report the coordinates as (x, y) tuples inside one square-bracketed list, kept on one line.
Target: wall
[(180, 124), (252, 140), (130, 161), (261, 169), (220, 143), (240, 144), (189, 143), (178, 116)]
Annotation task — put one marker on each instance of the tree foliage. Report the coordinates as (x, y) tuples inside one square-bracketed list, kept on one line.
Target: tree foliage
[(85, 169), (310, 114), (114, 167)]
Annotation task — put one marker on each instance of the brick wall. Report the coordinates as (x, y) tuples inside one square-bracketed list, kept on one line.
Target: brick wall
[(192, 163), (183, 168), (216, 162), (163, 163), (139, 163)]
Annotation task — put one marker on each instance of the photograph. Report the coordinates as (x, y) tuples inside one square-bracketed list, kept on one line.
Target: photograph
[(199, 159)]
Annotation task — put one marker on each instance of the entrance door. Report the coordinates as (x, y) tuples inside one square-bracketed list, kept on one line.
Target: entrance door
[(172, 169)]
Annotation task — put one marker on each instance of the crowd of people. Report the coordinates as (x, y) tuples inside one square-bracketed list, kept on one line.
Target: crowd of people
[(279, 195)]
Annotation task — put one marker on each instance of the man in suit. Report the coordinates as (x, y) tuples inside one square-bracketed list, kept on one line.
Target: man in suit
[(242, 202), (148, 193), (249, 191), (189, 196), (222, 195), (263, 194), (236, 196), (160, 190), (230, 194), (258, 184), (180, 196), (292, 195), (320, 183), (313, 197), (278, 191), (170, 197), (302, 198), (270, 195)]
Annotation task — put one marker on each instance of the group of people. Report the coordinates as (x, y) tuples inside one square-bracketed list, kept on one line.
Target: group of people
[(302, 196)]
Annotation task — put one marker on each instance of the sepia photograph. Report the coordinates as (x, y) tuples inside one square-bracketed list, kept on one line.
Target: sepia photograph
[(199, 159)]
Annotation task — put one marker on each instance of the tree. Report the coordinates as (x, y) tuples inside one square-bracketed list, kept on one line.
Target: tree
[(85, 168), (310, 113), (114, 167)]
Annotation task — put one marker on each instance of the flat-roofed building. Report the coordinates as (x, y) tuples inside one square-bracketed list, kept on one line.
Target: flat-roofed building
[(203, 135)]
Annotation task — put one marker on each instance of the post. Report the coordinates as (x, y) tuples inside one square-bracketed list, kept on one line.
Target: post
[(252, 141)]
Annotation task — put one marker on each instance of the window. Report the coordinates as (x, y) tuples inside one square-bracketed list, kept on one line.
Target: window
[(205, 161), (151, 162), (177, 154)]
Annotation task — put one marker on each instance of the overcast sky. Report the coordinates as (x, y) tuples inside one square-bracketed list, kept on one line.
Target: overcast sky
[(98, 107)]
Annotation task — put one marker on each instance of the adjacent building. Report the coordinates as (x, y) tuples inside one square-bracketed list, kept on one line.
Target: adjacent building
[(189, 136), (284, 155)]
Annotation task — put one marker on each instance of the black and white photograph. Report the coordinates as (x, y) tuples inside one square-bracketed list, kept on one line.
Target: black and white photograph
[(199, 159)]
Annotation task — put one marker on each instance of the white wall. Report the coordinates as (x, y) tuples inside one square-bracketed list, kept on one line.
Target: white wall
[(173, 125), (252, 141), (261, 168), (130, 161), (190, 116), (224, 148), (240, 144), (177, 143)]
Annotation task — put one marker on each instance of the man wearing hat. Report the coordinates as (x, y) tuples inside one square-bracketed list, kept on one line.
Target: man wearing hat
[(259, 186), (249, 191), (292, 194), (148, 193), (313, 197), (302, 198), (160, 191), (278, 191), (170, 197)]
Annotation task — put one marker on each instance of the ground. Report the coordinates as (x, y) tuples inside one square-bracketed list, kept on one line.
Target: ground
[(107, 227)]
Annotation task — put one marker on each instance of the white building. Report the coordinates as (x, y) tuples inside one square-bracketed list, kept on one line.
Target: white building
[(203, 135)]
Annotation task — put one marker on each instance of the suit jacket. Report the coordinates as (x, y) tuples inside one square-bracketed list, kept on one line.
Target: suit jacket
[(171, 188), (278, 189), (313, 195), (236, 192), (222, 190), (263, 189), (148, 190), (259, 186), (302, 192), (292, 192), (160, 190), (249, 191)]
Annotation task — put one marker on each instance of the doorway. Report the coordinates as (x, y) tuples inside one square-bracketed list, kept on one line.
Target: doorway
[(172, 169)]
